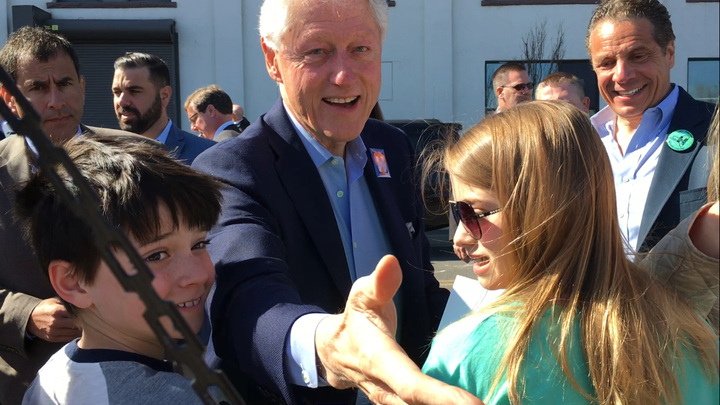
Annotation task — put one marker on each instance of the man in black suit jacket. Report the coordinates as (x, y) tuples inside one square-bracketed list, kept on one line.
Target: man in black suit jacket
[(653, 130), (288, 247), (141, 93), (210, 111)]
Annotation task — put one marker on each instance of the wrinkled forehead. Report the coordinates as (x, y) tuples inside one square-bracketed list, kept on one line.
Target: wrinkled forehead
[(338, 17), (57, 63), (516, 77)]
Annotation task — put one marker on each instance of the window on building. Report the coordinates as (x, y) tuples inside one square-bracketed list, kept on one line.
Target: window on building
[(113, 1), (704, 79), (580, 68)]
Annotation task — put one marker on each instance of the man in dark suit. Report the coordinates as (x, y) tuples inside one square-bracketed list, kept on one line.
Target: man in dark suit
[(654, 130), (34, 323), (315, 195), (210, 111), (141, 93)]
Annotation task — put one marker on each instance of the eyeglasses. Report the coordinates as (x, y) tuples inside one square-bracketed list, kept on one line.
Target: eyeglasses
[(465, 214), (193, 117), (522, 86)]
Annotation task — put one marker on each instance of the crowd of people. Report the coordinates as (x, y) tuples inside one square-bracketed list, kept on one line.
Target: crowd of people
[(295, 246)]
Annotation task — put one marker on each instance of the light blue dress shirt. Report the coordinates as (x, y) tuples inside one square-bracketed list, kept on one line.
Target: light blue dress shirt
[(222, 127), (162, 138), (634, 170), (363, 236)]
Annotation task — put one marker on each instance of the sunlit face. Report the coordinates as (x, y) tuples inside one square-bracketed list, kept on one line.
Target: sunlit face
[(563, 92), (138, 103), (55, 92), (329, 70), (183, 275), (507, 96), (198, 122), (486, 251), (633, 73)]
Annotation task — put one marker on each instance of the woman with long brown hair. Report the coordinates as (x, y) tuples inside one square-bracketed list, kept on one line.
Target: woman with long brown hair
[(578, 323)]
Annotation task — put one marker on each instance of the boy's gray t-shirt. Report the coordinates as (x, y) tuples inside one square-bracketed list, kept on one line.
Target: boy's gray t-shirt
[(75, 376)]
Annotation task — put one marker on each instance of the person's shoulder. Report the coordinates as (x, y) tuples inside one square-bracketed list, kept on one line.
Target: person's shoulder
[(10, 148), (132, 383), (106, 131), (703, 107), (379, 129)]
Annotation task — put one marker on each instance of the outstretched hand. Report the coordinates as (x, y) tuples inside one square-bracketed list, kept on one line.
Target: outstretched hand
[(357, 348)]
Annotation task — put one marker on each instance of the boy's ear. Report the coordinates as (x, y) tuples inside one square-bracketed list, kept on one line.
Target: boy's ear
[(67, 285)]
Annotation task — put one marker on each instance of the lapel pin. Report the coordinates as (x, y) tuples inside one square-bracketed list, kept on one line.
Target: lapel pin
[(380, 163), (680, 140)]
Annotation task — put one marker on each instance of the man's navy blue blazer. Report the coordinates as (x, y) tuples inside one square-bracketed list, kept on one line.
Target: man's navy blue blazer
[(679, 185), (186, 146), (278, 253)]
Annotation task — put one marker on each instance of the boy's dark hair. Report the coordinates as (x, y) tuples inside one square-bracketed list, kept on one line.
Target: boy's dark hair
[(210, 95), (132, 177), (35, 43), (159, 72)]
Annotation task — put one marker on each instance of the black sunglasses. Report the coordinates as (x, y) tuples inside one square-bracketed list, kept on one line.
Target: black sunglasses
[(522, 86), (465, 214)]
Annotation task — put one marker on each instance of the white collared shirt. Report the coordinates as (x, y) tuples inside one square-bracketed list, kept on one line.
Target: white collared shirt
[(634, 171)]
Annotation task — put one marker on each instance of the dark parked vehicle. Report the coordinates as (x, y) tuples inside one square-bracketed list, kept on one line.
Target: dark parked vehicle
[(422, 133)]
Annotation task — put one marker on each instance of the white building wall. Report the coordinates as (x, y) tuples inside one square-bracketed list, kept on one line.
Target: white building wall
[(434, 55)]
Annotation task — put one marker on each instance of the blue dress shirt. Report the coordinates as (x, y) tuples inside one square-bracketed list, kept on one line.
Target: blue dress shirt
[(364, 240), (162, 138), (634, 170)]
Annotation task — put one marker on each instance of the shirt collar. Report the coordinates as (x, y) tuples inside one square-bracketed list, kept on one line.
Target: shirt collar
[(355, 150), (605, 118), (223, 126), (162, 138), (34, 150)]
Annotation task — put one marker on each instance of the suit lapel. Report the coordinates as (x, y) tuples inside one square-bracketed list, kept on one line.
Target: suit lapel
[(671, 165), (384, 198), (14, 170), (175, 142), (305, 188)]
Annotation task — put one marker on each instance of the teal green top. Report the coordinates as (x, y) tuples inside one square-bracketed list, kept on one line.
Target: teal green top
[(467, 354)]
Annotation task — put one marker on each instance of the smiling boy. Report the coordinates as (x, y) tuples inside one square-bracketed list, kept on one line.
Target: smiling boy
[(166, 209)]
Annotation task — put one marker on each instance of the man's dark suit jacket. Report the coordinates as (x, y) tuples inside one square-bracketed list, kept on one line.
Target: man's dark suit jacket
[(23, 284), (278, 252), (679, 186), (186, 146), (230, 131)]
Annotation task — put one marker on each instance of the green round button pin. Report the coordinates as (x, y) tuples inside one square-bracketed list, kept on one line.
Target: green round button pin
[(680, 140)]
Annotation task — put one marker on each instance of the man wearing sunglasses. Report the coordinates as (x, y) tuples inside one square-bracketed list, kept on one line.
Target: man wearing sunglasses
[(512, 85)]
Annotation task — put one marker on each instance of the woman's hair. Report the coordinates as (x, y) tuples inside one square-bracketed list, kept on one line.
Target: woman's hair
[(552, 176), (712, 141)]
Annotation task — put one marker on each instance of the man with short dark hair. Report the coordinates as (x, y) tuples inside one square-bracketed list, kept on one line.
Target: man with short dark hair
[(210, 111), (33, 322), (563, 86), (512, 85), (141, 93), (653, 130)]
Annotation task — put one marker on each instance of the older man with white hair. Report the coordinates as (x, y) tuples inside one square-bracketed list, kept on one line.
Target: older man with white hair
[(315, 196)]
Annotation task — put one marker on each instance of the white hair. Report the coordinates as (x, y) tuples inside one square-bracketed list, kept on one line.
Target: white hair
[(276, 17)]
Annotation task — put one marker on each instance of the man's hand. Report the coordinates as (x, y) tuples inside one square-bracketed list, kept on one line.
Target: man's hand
[(357, 348), (50, 321)]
